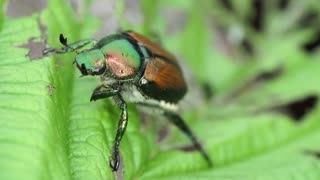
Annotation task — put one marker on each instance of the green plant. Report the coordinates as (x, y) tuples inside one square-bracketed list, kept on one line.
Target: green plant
[(50, 130)]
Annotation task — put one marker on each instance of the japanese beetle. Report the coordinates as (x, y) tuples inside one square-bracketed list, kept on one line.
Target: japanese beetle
[(134, 69)]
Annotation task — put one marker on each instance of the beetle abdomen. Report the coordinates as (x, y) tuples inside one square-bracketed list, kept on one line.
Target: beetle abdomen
[(163, 80)]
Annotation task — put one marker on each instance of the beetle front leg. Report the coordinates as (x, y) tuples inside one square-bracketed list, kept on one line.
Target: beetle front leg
[(178, 121), (103, 91), (71, 47), (115, 158)]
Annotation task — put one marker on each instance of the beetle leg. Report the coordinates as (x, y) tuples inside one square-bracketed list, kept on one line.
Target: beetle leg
[(178, 121), (115, 158), (102, 91), (82, 43), (70, 48)]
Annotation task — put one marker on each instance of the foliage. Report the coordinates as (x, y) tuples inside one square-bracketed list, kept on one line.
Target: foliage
[(50, 130)]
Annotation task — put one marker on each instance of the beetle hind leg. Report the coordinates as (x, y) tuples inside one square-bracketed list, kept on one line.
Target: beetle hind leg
[(178, 121)]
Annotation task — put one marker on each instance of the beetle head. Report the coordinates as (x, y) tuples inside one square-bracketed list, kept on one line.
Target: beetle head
[(88, 61), (91, 62)]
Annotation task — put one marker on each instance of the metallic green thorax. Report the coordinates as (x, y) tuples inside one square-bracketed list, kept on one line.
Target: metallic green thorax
[(126, 49)]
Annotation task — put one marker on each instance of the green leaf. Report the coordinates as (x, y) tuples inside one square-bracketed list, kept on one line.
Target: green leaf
[(266, 147), (2, 5)]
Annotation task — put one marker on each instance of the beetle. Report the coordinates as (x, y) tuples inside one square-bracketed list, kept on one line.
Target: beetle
[(132, 69)]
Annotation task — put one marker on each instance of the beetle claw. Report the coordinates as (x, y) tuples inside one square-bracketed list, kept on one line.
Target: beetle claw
[(114, 162)]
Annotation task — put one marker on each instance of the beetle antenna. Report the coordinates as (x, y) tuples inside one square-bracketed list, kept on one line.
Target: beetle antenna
[(64, 41)]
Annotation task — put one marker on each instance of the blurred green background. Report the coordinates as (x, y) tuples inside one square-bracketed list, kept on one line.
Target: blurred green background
[(253, 69)]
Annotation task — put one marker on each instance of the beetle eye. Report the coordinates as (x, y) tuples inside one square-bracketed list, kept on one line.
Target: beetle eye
[(82, 69)]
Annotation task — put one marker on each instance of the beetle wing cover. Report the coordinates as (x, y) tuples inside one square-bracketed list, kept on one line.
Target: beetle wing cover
[(153, 47), (165, 80), (164, 77)]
